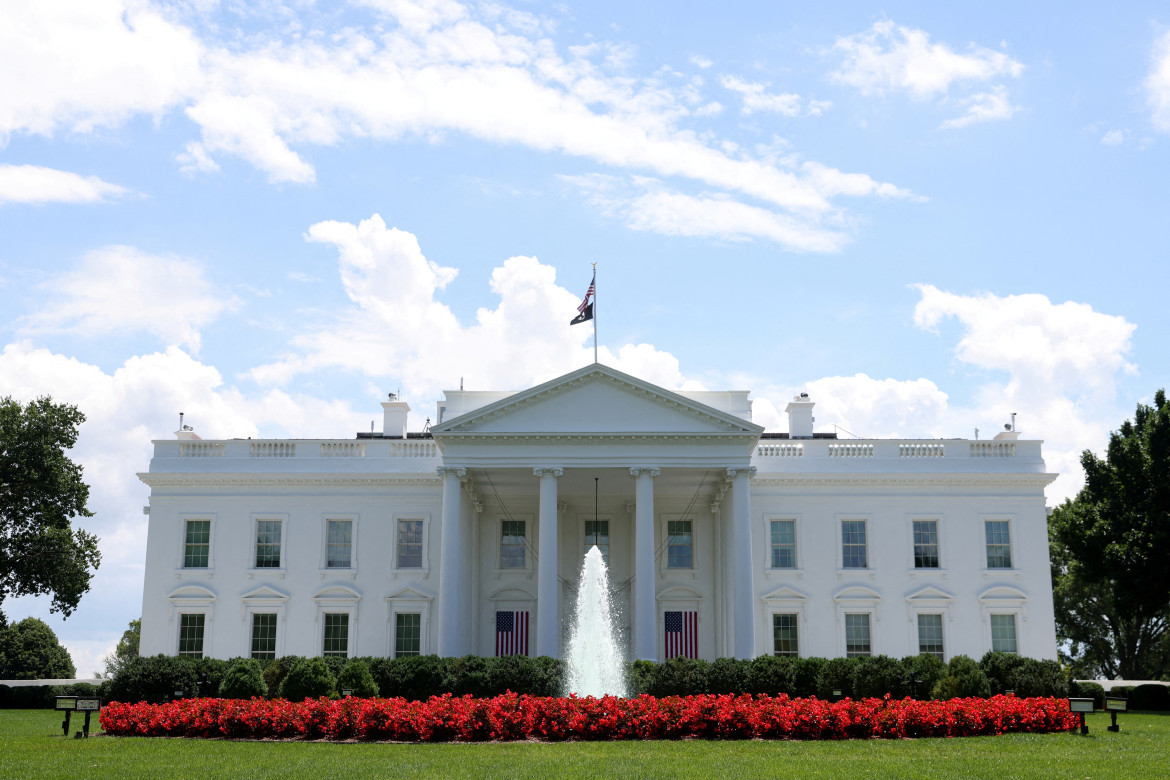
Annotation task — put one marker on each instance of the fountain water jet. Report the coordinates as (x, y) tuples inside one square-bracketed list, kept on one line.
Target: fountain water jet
[(595, 666)]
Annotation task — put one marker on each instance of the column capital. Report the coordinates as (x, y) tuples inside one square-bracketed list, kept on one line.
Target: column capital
[(746, 471), (650, 471), (552, 471), (458, 471)]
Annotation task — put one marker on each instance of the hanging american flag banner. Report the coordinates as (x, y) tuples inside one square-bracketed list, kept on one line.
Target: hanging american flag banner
[(511, 633), (682, 634), (585, 310)]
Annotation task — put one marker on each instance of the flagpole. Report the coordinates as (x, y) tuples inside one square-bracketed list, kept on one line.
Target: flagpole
[(595, 312)]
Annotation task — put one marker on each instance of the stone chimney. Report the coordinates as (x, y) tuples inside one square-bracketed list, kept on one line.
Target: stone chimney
[(394, 418), (800, 418)]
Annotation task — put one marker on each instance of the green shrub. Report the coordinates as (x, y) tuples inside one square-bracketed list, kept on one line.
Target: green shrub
[(1150, 696), (32, 697), (678, 677), (808, 671), (540, 676), (641, 676), (964, 679), (336, 664), (1088, 690), (85, 690), (309, 678), (5, 697), (727, 675), (356, 677), (244, 680), (1122, 691), (470, 674), (1036, 678), (835, 674), (876, 675), (153, 679), (1000, 669), (276, 670), (772, 675), (209, 674), (416, 677), (922, 673)]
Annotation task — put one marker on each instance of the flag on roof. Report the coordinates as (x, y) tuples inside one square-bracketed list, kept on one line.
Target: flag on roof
[(585, 310)]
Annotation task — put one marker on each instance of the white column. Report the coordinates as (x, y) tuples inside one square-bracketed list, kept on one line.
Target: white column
[(741, 551), (548, 613), (645, 641), (451, 581)]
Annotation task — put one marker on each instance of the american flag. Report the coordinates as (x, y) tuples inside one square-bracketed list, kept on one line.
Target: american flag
[(585, 310), (511, 633), (682, 634)]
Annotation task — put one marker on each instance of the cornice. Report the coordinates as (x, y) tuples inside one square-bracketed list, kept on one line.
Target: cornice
[(1019, 480), (578, 439), (303, 480)]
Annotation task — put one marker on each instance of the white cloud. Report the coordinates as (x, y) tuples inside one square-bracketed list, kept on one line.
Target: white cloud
[(701, 62), (756, 98), (1113, 138), (397, 326), (36, 184), (647, 205), (1157, 84), (889, 57), (120, 289), (983, 107), (81, 64)]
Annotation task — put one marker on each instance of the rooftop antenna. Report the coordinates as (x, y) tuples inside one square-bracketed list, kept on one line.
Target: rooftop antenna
[(460, 384), (180, 421), (427, 426), (1013, 421)]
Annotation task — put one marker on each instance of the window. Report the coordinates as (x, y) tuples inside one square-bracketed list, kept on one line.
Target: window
[(783, 544), (925, 544), (338, 544), (679, 547), (1003, 633), (999, 544), (264, 636), (410, 544), (267, 544), (856, 635), (197, 544), (407, 634), (930, 635), (853, 546), (512, 544), (336, 635), (597, 533), (784, 639), (191, 635)]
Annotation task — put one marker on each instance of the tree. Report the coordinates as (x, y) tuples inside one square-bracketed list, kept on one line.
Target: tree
[(41, 491), (1111, 578), (30, 651), (125, 652)]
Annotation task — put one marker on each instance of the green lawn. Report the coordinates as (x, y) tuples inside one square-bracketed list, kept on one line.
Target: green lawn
[(31, 746)]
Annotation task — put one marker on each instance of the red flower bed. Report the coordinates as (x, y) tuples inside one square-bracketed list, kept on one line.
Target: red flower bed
[(512, 717)]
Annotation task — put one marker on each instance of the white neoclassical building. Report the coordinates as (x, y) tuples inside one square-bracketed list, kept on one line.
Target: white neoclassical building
[(722, 539)]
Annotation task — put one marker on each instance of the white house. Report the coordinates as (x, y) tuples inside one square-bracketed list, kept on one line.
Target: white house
[(722, 539)]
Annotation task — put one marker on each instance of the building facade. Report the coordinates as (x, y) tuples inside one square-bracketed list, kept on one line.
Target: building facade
[(721, 539)]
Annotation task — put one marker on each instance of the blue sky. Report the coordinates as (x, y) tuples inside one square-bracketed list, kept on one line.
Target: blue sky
[(267, 215)]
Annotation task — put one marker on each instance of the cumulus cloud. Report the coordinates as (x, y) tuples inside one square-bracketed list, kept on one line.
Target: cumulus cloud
[(984, 107), (1113, 138), (1157, 84), (756, 97), (36, 184), (120, 289)]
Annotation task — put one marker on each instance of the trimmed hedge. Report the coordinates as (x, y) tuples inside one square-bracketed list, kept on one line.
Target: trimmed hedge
[(417, 678)]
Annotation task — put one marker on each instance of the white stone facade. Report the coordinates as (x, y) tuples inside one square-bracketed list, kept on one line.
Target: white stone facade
[(399, 543)]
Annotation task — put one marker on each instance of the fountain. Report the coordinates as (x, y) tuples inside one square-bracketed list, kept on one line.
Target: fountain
[(595, 666)]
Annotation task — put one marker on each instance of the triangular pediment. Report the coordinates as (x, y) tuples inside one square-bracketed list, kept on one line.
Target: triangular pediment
[(191, 593), (409, 594), (336, 593), (1003, 593), (857, 593), (785, 593), (596, 400), (264, 593), (929, 593)]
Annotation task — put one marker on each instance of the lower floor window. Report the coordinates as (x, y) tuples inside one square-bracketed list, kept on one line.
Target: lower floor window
[(407, 634), (191, 635), (784, 638), (1003, 633), (930, 635), (336, 635), (264, 636), (857, 640)]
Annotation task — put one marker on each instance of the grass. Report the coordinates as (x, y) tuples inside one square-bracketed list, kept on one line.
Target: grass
[(31, 746)]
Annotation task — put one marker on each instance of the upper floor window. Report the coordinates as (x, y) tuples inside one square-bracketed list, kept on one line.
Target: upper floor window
[(679, 547), (999, 544), (191, 634), (197, 544), (1003, 633), (925, 544), (512, 544), (930, 635), (784, 636), (410, 544), (407, 634), (857, 639), (783, 544), (336, 640), (854, 550), (264, 636), (267, 544), (597, 533), (338, 544)]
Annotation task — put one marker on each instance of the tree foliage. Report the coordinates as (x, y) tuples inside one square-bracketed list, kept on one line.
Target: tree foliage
[(41, 491), (125, 652), (29, 650), (1111, 580)]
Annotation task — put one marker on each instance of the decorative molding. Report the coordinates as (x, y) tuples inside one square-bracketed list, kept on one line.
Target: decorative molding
[(458, 471), (650, 471), (582, 438), (1019, 480), (300, 480), (553, 471), (735, 471), (473, 495)]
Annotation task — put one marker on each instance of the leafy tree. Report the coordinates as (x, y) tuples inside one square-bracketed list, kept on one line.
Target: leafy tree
[(308, 679), (29, 650), (1111, 581), (126, 651), (244, 680), (356, 677), (41, 491)]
